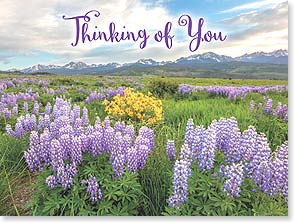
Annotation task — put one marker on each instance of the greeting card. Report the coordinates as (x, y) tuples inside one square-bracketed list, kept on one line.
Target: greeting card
[(144, 108)]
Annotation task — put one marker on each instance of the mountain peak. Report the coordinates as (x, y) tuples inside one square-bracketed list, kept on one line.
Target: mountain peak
[(75, 65), (207, 57), (146, 61), (276, 57)]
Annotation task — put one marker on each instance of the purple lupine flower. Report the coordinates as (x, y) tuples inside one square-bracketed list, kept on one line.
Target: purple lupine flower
[(215, 175), (29, 123), (19, 130), (97, 140), (185, 153), (93, 189), (251, 105), (132, 159), (72, 117), (97, 122), (47, 121), (285, 113), (76, 150), (119, 126), (86, 142), (108, 139), (231, 92), (142, 155), (56, 155), (66, 142), (32, 154), (268, 106), (207, 150), (65, 177), (140, 140), (232, 137), (117, 157), (15, 110), (188, 133), (263, 153), (220, 129), (282, 155), (170, 150), (180, 183), (25, 107), (263, 174), (76, 111), (105, 93), (6, 113), (71, 169), (10, 131), (50, 91), (45, 142), (233, 175), (196, 142), (36, 108), (89, 130), (147, 133), (186, 89), (248, 142), (281, 111), (79, 131), (85, 119), (48, 109), (52, 181), (129, 130), (127, 143), (272, 176), (106, 122), (278, 110)]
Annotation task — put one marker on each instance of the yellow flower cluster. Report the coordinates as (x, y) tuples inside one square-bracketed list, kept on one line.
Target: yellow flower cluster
[(135, 106)]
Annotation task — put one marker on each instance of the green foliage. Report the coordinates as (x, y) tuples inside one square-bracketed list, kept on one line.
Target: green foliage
[(206, 198), (12, 170), (99, 84), (120, 196), (162, 87)]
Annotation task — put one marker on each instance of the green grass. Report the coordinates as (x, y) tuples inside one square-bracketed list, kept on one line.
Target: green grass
[(12, 170), (156, 178)]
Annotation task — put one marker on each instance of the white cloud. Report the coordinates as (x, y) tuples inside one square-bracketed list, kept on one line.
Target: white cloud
[(254, 5), (38, 25), (262, 30)]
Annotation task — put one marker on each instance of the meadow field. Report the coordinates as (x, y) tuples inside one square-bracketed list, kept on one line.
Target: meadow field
[(143, 145)]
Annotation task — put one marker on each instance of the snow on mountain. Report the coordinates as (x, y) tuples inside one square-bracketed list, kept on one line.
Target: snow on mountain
[(275, 57), (76, 65), (208, 57), (39, 68), (149, 62)]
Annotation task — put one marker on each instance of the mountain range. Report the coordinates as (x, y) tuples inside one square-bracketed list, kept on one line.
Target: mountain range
[(276, 61)]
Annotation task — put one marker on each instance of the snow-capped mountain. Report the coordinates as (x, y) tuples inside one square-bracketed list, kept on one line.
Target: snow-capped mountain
[(39, 68), (149, 62), (275, 57), (109, 66), (208, 57), (76, 65)]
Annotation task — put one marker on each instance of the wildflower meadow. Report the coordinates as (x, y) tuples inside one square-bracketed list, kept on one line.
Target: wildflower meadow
[(143, 146)]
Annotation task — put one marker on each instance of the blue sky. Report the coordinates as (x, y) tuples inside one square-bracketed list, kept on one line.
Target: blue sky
[(33, 32)]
